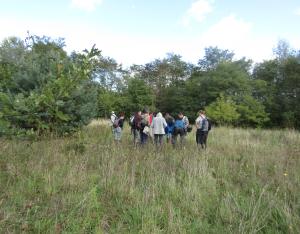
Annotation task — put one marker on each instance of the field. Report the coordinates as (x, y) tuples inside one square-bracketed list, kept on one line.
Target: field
[(247, 181)]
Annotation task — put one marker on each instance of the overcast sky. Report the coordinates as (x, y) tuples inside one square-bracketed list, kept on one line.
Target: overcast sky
[(138, 31)]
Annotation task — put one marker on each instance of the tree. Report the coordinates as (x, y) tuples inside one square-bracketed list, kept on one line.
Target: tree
[(252, 112), (283, 50), (223, 111), (161, 73), (279, 87), (174, 99), (138, 95), (213, 57), (204, 87), (44, 89)]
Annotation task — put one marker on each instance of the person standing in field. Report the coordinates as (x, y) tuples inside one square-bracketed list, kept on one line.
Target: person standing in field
[(136, 126), (158, 126), (151, 117), (170, 126), (118, 127), (178, 130), (203, 127), (113, 118), (145, 130), (131, 124), (186, 123)]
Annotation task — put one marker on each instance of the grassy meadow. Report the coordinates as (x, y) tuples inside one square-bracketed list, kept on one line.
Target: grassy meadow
[(247, 181)]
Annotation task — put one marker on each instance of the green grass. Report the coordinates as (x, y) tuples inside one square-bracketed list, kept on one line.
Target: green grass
[(247, 181)]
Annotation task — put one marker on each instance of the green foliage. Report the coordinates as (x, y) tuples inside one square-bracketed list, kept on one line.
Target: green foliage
[(138, 96), (175, 99), (213, 57), (109, 100), (252, 113), (281, 93), (223, 111), (43, 89)]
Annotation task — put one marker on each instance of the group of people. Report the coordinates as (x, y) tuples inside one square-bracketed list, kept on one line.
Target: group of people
[(145, 125)]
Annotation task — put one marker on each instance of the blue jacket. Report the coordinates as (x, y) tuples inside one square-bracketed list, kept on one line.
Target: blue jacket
[(179, 123)]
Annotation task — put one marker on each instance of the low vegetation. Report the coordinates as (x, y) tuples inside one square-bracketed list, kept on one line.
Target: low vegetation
[(247, 181)]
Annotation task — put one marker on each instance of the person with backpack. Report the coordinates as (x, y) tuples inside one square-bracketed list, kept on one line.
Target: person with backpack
[(178, 130), (131, 124), (118, 127), (113, 117), (136, 126), (187, 127), (158, 128), (144, 129), (170, 126), (203, 127)]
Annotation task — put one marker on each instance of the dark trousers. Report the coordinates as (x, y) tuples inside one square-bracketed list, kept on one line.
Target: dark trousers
[(201, 138), (158, 139), (136, 136), (144, 138), (176, 132)]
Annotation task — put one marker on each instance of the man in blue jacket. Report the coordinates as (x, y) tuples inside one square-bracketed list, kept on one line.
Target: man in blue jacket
[(179, 129)]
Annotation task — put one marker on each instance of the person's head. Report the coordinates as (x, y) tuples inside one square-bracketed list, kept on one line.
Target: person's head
[(179, 116), (138, 113), (201, 112), (112, 112), (167, 115), (122, 114), (158, 114), (146, 110)]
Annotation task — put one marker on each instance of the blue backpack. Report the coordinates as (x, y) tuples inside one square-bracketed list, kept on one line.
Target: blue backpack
[(179, 124)]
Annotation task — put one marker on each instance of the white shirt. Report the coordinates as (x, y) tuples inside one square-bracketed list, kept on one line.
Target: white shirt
[(158, 124), (199, 121)]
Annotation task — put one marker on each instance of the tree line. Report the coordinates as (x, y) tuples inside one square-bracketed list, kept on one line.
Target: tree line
[(45, 89)]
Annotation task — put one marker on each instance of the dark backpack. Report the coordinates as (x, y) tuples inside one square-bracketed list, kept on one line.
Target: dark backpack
[(204, 125), (209, 124), (189, 128), (136, 123)]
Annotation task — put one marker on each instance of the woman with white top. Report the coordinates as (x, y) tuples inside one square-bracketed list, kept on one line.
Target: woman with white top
[(202, 126), (158, 126)]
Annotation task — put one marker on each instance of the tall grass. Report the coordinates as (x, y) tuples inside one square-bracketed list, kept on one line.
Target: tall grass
[(247, 181)]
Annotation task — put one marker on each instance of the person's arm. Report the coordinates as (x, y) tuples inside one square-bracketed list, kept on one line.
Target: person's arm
[(198, 123), (187, 121)]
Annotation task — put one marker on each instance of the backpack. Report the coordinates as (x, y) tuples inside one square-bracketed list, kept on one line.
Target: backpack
[(189, 128), (116, 123), (131, 121), (144, 122), (204, 125), (209, 124), (186, 121), (179, 124), (136, 124)]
